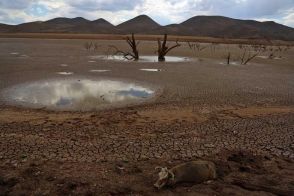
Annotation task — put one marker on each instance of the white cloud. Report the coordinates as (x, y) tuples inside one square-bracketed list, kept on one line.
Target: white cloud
[(289, 18), (163, 11)]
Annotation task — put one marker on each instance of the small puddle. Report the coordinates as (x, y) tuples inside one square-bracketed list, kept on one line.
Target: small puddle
[(268, 57), (77, 94), (231, 63), (152, 59), (151, 70), (24, 56), (17, 54), (99, 70), (65, 73)]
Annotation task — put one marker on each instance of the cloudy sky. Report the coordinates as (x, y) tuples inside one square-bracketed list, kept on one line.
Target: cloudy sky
[(162, 11)]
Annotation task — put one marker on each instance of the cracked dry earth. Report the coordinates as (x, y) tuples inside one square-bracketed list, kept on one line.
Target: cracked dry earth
[(248, 133), (115, 152)]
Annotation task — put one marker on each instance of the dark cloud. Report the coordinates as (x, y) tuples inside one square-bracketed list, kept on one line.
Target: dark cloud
[(15, 4)]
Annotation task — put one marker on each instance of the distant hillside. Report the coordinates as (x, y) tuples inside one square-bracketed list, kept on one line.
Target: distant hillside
[(65, 25), (138, 24), (208, 26), (218, 26)]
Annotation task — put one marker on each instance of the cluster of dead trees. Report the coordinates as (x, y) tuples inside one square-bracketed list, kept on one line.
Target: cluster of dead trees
[(196, 46), (248, 52), (162, 50)]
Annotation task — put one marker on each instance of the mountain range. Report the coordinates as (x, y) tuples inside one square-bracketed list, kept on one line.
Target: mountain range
[(207, 26)]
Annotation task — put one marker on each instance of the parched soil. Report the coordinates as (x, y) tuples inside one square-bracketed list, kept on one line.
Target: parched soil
[(240, 117)]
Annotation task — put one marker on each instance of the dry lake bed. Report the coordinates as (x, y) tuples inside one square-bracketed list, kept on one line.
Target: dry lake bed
[(83, 122)]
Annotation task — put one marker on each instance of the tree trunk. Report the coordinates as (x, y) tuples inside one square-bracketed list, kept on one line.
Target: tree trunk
[(163, 49), (133, 44)]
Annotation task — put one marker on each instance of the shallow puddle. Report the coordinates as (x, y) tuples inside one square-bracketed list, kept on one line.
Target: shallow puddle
[(99, 70), (65, 73), (151, 70), (231, 63), (24, 56), (268, 57), (142, 58), (77, 94)]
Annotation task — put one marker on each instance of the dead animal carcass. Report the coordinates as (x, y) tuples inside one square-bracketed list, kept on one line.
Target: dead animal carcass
[(193, 172)]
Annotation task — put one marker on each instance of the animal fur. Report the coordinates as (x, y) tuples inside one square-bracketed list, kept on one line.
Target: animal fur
[(193, 172)]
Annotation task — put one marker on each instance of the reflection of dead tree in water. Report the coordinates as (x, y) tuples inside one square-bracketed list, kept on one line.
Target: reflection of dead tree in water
[(134, 55), (163, 49)]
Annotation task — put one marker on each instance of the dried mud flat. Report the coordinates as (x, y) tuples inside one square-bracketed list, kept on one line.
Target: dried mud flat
[(240, 117)]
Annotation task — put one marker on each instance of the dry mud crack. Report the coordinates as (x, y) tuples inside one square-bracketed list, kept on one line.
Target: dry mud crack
[(60, 150)]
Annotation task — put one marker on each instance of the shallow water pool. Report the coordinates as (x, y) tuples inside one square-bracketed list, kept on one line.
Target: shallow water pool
[(152, 59), (77, 94)]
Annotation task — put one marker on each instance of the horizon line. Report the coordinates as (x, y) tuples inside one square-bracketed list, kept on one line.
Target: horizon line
[(148, 17)]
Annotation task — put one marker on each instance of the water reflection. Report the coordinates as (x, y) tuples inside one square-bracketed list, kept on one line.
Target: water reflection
[(152, 70), (142, 58), (99, 70), (75, 94), (65, 73), (231, 63)]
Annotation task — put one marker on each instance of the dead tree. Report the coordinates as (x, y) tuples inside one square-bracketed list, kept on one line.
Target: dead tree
[(229, 58), (198, 46), (163, 49), (133, 44), (88, 45), (248, 55), (213, 47), (125, 55), (95, 46), (194, 46), (191, 45), (134, 55)]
